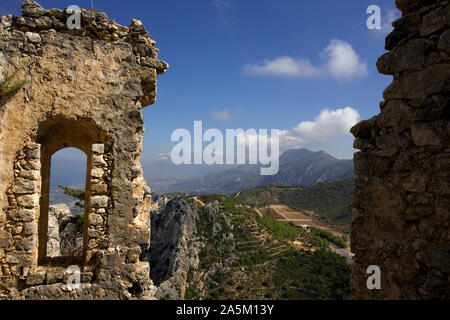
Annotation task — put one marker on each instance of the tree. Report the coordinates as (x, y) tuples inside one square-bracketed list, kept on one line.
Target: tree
[(75, 193)]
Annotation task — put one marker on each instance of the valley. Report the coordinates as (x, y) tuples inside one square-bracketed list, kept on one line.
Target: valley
[(223, 249)]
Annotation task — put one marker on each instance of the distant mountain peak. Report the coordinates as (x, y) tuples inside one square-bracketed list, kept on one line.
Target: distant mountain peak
[(298, 167)]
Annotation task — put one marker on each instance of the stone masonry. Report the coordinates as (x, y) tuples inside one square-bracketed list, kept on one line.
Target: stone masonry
[(401, 219), (84, 89)]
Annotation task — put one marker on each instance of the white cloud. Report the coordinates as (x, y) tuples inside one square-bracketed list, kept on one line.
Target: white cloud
[(283, 66), (340, 61), (163, 156), (328, 124), (343, 61), (222, 115)]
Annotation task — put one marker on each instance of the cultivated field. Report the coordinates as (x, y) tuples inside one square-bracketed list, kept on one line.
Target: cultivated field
[(287, 214)]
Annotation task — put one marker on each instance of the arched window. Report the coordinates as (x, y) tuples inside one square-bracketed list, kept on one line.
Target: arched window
[(64, 145), (66, 203)]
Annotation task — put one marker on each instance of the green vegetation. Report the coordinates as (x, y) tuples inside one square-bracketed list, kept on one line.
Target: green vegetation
[(281, 230), (11, 84), (75, 193), (332, 200), (339, 241), (264, 264), (321, 274), (78, 221), (192, 292)]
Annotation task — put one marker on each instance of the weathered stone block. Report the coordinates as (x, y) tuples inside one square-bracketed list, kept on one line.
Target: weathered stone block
[(444, 41), (424, 83), (32, 9), (95, 219), (99, 188), (409, 57), (93, 233), (97, 160), (424, 135), (54, 275), (33, 37), (30, 174), (25, 187), (97, 173), (33, 166), (36, 278), (30, 228), (133, 255), (26, 244), (23, 215), (28, 201), (12, 258), (435, 21), (7, 21), (44, 23), (407, 5), (26, 21), (98, 148), (99, 201)]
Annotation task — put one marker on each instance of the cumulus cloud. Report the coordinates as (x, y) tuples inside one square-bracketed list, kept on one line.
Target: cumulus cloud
[(328, 124), (283, 66), (343, 61), (339, 60), (222, 115)]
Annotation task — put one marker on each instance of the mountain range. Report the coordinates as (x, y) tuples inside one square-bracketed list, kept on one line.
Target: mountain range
[(299, 167)]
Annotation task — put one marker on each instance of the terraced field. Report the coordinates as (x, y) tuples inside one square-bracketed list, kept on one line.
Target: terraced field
[(271, 259)]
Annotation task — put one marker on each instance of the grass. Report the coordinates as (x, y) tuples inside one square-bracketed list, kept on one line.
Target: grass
[(11, 85)]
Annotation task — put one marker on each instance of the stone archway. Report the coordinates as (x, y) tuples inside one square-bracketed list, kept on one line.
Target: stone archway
[(55, 135)]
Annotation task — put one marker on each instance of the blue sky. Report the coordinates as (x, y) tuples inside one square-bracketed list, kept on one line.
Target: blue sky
[(223, 57)]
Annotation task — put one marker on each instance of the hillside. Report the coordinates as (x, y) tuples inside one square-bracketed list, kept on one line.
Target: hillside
[(331, 200), (217, 247), (298, 167)]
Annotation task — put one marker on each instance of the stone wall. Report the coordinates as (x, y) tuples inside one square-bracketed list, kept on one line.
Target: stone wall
[(401, 219), (84, 89)]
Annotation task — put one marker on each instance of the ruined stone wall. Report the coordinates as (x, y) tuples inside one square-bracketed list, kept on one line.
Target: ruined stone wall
[(84, 89), (401, 219)]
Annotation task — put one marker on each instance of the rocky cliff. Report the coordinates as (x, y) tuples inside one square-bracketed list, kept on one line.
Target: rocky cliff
[(217, 247), (173, 249), (65, 234), (401, 219)]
